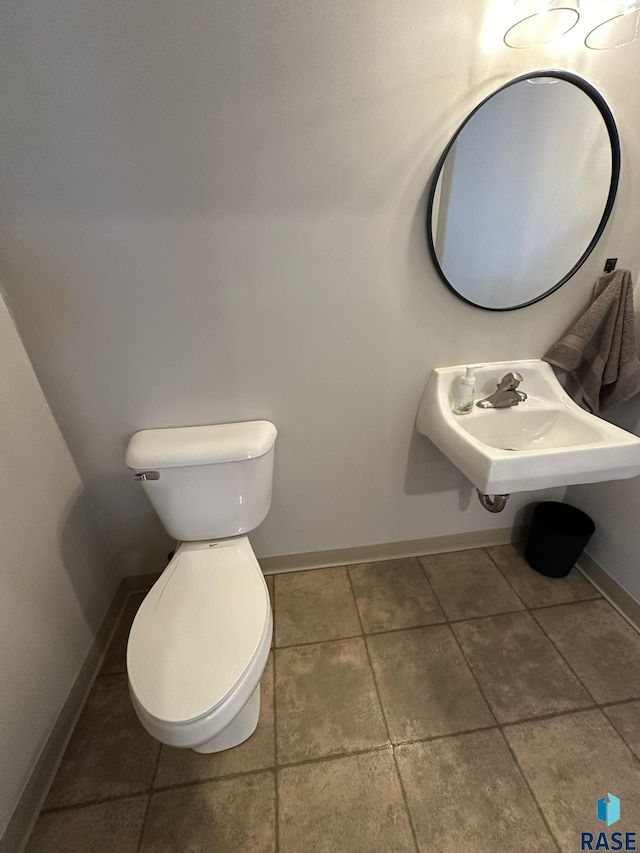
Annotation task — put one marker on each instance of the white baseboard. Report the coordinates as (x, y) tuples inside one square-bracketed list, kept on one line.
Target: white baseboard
[(140, 583), (390, 550), (365, 554), (616, 595)]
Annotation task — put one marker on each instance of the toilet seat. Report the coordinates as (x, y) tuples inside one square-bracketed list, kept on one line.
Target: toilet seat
[(200, 639)]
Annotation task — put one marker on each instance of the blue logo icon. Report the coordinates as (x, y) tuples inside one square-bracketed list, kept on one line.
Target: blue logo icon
[(609, 812)]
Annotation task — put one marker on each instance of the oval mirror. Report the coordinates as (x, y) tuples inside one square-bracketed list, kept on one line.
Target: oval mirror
[(523, 191)]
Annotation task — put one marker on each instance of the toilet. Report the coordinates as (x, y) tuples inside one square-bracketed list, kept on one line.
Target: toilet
[(200, 640)]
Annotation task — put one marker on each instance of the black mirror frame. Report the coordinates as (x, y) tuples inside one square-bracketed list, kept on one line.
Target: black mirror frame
[(614, 139)]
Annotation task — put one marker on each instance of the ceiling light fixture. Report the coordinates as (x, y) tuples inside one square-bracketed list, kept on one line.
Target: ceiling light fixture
[(622, 26), (541, 21)]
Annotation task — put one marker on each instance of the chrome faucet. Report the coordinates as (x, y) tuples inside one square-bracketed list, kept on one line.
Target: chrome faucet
[(505, 395)]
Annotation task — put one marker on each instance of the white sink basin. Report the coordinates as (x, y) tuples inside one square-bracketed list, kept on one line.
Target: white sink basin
[(544, 441)]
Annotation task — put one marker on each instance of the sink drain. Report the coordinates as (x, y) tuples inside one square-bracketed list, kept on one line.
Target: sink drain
[(494, 503)]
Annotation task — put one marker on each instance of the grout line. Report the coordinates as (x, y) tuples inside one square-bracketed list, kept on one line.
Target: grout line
[(475, 677), (332, 757), (208, 780), (273, 612), (449, 620), (276, 807), (318, 642), (511, 724), (371, 669), (146, 813), (532, 607), (96, 801), (551, 715), (506, 579), (531, 792), (193, 783), (596, 594), (526, 609), (607, 596), (446, 735), (464, 657), (157, 767), (482, 693), (617, 702), (348, 753), (384, 718), (276, 802), (355, 601), (562, 657), (275, 748), (495, 563), (144, 823), (635, 755), (532, 611)]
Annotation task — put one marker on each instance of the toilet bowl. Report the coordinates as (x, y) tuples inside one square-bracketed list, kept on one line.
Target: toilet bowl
[(200, 640), (198, 647)]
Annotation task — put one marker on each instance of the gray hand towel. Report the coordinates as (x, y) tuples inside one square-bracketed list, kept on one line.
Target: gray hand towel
[(599, 351)]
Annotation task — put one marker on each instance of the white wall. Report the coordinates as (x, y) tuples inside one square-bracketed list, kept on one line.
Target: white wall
[(56, 585), (614, 508), (214, 211)]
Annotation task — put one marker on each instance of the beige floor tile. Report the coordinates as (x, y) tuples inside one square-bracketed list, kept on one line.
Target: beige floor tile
[(230, 816), (535, 589), (426, 688), (314, 606), (351, 804), (570, 763), (109, 754), (465, 793), (468, 584), (115, 660), (626, 720), (177, 766), (102, 828), (520, 672), (600, 646), (394, 594), (272, 598), (326, 701), (270, 586)]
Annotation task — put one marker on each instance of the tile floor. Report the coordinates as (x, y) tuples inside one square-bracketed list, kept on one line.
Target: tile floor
[(456, 702)]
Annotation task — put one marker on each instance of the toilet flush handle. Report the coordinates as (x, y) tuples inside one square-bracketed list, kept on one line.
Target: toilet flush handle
[(148, 475)]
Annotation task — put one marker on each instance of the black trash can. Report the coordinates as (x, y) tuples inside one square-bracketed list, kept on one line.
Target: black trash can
[(558, 535)]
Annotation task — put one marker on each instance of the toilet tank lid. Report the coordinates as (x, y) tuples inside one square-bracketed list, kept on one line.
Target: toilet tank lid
[(200, 445)]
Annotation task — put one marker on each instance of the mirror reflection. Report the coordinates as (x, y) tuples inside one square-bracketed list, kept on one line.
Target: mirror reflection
[(523, 191)]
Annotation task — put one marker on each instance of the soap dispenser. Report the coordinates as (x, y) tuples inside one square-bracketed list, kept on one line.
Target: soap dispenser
[(465, 394)]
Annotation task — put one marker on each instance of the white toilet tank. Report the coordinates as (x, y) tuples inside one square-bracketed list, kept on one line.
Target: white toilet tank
[(206, 482)]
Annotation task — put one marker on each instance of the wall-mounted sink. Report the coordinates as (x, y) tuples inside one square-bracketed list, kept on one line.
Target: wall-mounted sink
[(544, 441)]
